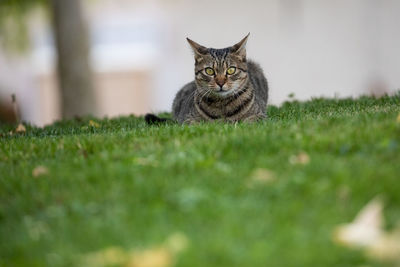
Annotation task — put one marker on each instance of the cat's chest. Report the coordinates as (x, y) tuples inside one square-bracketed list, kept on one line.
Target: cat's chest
[(234, 108)]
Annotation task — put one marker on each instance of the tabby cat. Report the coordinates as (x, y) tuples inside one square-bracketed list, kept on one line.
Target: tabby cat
[(227, 87)]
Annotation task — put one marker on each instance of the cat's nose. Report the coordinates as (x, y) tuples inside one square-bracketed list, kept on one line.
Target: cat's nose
[(220, 81)]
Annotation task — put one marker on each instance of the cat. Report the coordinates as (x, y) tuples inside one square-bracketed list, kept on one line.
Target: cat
[(227, 87)]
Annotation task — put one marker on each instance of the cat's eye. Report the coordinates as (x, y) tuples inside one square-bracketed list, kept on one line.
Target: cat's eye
[(210, 71), (231, 70)]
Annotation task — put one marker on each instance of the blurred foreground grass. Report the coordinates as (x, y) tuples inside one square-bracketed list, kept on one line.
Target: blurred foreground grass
[(266, 194)]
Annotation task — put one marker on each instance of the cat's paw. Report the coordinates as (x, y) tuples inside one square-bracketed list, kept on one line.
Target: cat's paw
[(254, 118)]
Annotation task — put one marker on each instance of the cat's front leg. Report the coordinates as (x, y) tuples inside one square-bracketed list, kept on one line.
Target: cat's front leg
[(193, 119), (255, 117), (190, 121)]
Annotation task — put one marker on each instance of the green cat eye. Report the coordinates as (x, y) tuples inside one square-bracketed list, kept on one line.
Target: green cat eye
[(231, 70), (209, 71)]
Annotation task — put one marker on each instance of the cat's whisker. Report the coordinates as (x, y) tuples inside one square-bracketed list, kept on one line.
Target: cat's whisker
[(189, 98), (207, 93)]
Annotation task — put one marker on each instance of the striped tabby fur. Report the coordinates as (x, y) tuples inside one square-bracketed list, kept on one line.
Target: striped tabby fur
[(219, 94)]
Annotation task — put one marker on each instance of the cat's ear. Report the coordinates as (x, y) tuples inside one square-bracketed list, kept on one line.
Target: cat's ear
[(198, 50), (240, 48)]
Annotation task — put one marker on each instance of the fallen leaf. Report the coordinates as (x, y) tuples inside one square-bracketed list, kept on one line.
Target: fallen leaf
[(177, 242), (398, 118), (20, 128), (386, 248), (365, 230), (106, 257), (79, 145), (260, 176), (39, 170), (94, 124), (159, 257), (301, 158), (154, 257)]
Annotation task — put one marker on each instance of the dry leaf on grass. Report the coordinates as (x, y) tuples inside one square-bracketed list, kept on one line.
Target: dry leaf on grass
[(20, 128), (398, 118), (106, 257), (366, 232), (365, 229), (387, 248), (116, 256), (301, 158), (177, 242), (260, 176), (159, 256), (39, 171), (94, 124)]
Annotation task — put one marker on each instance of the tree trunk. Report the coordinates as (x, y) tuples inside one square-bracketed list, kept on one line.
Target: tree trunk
[(74, 74)]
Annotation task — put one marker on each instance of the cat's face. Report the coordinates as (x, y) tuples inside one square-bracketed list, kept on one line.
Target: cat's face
[(220, 72)]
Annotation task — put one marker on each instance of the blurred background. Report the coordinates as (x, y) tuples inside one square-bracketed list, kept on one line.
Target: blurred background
[(116, 57)]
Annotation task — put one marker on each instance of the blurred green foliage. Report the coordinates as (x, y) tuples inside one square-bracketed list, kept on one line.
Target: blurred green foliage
[(13, 23)]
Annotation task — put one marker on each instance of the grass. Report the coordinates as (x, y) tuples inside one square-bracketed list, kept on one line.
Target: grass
[(118, 183)]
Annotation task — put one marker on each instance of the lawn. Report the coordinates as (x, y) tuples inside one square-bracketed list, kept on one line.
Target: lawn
[(118, 192)]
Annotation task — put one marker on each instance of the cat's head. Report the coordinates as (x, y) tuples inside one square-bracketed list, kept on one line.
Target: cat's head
[(220, 72)]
